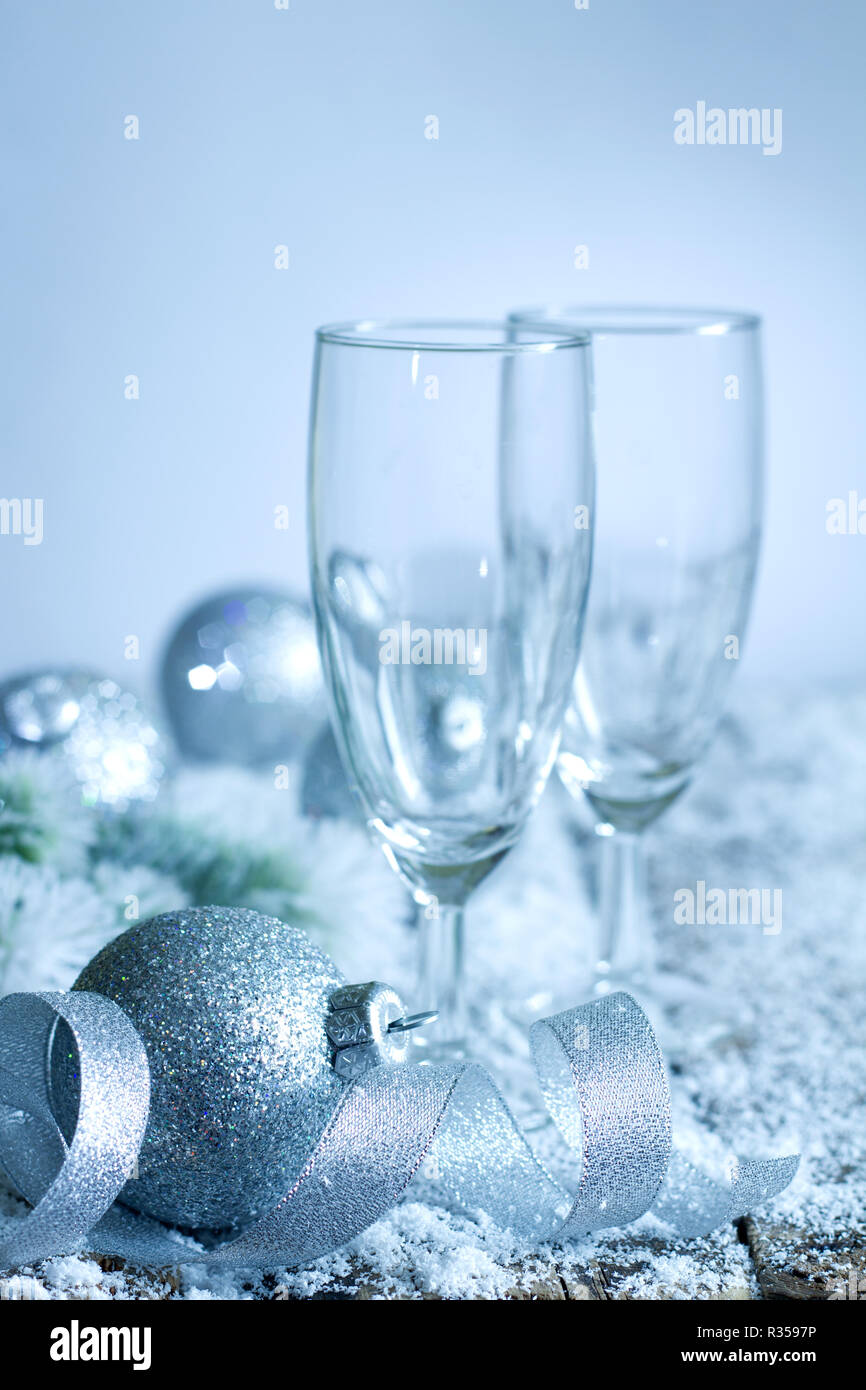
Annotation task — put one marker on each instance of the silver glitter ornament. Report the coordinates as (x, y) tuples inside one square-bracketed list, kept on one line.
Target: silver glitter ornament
[(241, 679), (230, 1007), (99, 733)]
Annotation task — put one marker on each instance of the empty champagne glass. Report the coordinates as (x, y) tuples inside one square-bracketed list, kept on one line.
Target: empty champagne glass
[(448, 462), (678, 437)]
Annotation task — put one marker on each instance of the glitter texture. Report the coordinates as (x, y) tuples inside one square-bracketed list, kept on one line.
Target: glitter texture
[(230, 1006), (72, 1186)]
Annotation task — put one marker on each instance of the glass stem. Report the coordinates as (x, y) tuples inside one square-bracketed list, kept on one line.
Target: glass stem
[(625, 941), (441, 983)]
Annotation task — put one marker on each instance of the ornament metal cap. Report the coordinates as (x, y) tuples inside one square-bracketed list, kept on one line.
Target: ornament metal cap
[(369, 1027)]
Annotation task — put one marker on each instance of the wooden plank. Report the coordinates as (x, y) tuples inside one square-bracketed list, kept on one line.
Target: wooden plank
[(792, 1263)]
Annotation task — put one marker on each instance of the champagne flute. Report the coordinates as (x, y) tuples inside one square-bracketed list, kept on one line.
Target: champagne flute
[(448, 462), (677, 418)]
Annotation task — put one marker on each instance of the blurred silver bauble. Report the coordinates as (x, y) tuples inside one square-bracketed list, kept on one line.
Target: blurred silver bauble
[(325, 789), (451, 721), (101, 736), (231, 1007), (241, 679)]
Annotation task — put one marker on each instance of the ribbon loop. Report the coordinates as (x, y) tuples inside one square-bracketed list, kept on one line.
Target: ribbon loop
[(70, 1187), (604, 1083)]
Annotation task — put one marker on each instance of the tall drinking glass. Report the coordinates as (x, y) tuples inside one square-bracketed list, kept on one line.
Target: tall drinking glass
[(678, 438), (449, 463)]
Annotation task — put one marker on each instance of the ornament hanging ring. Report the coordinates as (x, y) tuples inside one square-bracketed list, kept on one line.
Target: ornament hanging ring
[(406, 1025), (369, 1027)]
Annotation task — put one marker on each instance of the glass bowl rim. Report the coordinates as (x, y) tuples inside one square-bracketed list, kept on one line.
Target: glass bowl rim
[(639, 318), (363, 333)]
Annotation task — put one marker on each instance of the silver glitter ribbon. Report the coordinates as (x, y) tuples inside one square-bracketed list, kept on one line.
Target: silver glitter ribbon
[(600, 1071)]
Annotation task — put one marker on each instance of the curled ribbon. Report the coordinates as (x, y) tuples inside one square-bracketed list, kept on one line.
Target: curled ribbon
[(600, 1071)]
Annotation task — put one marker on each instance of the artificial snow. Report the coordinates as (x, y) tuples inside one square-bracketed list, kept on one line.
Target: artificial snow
[(779, 805)]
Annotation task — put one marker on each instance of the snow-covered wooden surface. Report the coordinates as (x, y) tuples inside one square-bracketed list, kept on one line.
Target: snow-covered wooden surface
[(780, 804)]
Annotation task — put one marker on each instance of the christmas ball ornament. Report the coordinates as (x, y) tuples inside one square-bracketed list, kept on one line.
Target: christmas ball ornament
[(241, 679), (99, 734), (231, 1008)]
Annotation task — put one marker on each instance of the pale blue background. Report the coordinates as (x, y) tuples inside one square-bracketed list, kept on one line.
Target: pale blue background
[(306, 127)]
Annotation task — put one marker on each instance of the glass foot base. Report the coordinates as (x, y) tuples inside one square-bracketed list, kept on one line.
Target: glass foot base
[(684, 1014)]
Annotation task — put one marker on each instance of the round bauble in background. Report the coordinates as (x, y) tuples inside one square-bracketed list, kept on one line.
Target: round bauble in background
[(230, 1006), (241, 679), (99, 734)]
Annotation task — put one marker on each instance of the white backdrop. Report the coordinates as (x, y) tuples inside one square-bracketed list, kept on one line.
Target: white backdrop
[(260, 127)]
